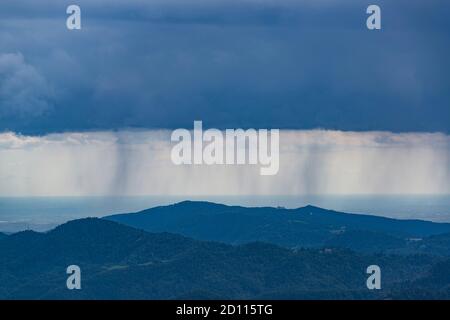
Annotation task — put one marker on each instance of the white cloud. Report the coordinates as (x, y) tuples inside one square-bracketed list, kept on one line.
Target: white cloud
[(138, 163)]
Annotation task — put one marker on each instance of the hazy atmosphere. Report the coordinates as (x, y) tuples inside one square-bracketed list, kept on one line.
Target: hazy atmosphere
[(138, 163)]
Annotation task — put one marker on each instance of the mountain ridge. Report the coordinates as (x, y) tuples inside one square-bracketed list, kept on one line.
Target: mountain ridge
[(308, 226), (121, 262)]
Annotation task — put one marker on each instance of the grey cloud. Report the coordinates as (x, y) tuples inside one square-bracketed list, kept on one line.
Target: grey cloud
[(24, 92), (284, 64)]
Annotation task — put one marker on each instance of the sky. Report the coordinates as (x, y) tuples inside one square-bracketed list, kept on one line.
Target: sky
[(240, 63), (137, 163), (138, 69)]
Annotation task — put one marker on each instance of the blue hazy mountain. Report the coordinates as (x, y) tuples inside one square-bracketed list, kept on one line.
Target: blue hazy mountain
[(303, 227), (121, 262)]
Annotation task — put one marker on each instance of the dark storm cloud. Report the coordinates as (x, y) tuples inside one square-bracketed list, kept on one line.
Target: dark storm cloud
[(23, 91), (284, 64)]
